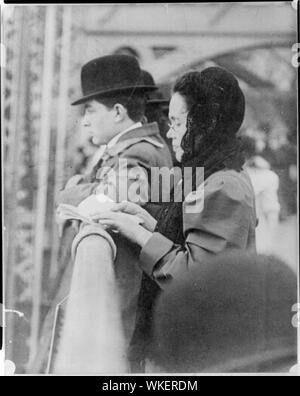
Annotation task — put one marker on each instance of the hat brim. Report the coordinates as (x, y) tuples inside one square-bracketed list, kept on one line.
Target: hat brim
[(158, 101), (113, 91)]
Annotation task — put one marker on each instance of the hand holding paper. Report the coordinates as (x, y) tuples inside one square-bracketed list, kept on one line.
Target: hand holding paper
[(88, 208)]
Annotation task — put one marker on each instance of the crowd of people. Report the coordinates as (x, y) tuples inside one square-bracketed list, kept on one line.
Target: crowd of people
[(160, 286)]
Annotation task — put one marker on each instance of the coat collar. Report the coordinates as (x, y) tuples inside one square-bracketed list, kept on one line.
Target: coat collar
[(145, 130), (115, 139)]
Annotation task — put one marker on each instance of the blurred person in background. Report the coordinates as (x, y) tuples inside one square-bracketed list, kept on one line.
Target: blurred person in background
[(206, 112), (230, 314), (127, 50), (281, 153), (157, 109), (265, 183)]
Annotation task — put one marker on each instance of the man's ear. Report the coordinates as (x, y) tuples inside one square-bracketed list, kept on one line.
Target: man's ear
[(120, 112)]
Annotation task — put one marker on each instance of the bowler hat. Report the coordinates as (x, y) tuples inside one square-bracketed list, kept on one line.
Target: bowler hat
[(111, 74), (155, 98)]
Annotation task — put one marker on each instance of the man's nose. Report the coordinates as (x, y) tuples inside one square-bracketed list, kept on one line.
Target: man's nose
[(85, 122)]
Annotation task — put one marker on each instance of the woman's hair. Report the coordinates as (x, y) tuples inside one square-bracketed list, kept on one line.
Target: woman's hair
[(216, 108)]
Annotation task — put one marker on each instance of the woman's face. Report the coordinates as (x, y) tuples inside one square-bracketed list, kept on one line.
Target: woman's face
[(178, 112)]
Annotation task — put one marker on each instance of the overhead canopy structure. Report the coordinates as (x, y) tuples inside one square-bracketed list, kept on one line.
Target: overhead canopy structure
[(264, 18), (168, 38)]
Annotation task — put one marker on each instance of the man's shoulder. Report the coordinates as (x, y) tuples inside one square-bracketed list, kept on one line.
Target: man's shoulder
[(151, 148), (152, 151), (149, 144)]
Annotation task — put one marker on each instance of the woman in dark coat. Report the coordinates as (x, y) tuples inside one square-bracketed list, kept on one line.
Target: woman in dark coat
[(206, 112)]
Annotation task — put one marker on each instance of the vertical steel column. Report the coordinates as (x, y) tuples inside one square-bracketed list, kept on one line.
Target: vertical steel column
[(61, 122), (18, 70), (43, 168)]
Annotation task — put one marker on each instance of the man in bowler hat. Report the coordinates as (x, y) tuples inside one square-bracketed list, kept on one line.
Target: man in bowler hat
[(114, 96)]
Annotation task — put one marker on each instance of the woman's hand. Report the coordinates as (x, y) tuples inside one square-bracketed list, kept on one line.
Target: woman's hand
[(131, 208), (125, 224)]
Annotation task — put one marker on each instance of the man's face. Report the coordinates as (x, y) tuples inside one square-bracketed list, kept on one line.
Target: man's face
[(178, 117), (99, 122)]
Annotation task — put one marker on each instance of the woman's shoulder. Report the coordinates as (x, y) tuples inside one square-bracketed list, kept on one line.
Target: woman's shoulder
[(223, 203), (232, 183), (223, 189)]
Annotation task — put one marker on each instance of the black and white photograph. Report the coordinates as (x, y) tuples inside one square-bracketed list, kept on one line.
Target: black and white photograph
[(150, 189)]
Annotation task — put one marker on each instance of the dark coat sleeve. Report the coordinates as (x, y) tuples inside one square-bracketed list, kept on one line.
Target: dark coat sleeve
[(215, 219)]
